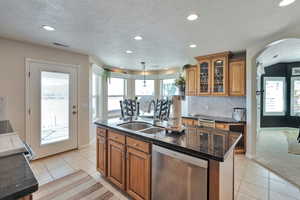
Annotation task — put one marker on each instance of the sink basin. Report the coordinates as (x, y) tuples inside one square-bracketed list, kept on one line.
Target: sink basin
[(136, 126), (152, 130)]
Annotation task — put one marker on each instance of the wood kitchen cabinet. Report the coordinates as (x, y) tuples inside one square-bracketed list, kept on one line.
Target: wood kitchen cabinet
[(204, 77), (237, 127), (188, 122), (237, 77), (116, 163), (138, 174), (129, 164), (220, 74), (101, 155), (191, 80), (101, 151), (212, 74)]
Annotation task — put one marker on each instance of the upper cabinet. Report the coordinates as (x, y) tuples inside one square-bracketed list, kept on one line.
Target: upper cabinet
[(237, 74), (204, 77), (191, 81), (220, 76), (216, 75)]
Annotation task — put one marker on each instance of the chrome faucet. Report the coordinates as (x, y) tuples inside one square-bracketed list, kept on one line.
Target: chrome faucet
[(155, 117), (150, 104)]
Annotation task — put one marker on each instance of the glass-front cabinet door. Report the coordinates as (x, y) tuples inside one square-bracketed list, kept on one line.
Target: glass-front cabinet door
[(219, 76), (204, 77)]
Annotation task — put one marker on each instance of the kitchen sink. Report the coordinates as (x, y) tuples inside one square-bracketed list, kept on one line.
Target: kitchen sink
[(136, 126), (152, 130)]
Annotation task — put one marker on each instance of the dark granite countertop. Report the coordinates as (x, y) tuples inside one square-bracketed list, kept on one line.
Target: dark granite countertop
[(216, 119), (5, 127), (16, 177), (201, 142)]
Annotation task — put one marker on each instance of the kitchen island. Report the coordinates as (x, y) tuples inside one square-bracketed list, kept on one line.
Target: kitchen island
[(124, 156)]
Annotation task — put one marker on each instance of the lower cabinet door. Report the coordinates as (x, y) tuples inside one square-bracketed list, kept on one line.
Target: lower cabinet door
[(101, 155), (138, 174), (116, 164)]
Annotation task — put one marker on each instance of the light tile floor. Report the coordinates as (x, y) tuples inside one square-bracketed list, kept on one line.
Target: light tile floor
[(252, 182), (272, 150)]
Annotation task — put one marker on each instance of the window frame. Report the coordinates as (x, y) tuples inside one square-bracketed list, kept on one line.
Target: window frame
[(162, 87), (154, 92), (113, 113), (292, 112), (283, 113), (96, 96)]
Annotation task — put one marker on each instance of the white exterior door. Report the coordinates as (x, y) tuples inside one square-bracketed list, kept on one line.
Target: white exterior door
[(51, 94)]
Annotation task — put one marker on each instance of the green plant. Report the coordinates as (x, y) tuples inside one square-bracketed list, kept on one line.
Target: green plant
[(180, 81)]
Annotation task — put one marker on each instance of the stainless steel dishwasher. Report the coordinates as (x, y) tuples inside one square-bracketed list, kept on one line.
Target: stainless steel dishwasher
[(176, 176)]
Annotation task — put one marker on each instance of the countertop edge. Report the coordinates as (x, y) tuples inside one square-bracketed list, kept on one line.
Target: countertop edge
[(229, 121)]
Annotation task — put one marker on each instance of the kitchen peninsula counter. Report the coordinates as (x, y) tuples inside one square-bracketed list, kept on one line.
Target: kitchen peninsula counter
[(201, 142), (213, 146)]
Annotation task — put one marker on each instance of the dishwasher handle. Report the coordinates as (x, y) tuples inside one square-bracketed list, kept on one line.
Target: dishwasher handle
[(189, 159)]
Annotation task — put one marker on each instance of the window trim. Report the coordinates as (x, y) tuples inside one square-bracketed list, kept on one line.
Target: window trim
[(97, 96)]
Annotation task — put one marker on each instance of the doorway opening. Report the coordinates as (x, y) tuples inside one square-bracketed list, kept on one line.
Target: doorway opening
[(278, 108)]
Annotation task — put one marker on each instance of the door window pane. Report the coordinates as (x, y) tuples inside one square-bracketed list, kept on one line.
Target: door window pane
[(274, 96), (54, 107), (295, 96), (141, 90)]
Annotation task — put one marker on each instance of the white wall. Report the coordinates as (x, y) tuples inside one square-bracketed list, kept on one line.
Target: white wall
[(292, 31), (12, 81)]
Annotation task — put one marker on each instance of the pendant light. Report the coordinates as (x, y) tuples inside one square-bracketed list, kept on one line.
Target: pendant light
[(144, 68)]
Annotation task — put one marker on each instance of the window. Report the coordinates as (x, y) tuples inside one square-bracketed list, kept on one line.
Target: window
[(144, 94), (169, 88), (140, 90), (274, 96), (116, 93), (96, 91), (295, 96)]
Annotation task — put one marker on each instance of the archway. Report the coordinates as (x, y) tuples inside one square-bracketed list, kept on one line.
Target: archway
[(278, 108)]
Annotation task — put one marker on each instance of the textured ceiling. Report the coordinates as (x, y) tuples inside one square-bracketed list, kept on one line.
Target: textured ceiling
[(286, 50), (105, 28)]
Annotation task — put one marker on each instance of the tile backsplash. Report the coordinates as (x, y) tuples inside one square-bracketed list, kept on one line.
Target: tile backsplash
[(214, 106)]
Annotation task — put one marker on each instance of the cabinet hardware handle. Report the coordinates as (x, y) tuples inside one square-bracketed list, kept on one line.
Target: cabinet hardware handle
[(136, 144)]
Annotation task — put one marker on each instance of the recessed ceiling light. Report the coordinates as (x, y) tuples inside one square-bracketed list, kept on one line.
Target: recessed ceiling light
[(129, 51), (48, 28), (192, 17), (138, 37), (284, 3), (193, 45)]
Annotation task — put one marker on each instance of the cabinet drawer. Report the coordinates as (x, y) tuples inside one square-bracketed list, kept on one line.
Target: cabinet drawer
[(101, 132), (137, 144), (116, 137), (222, 126)]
